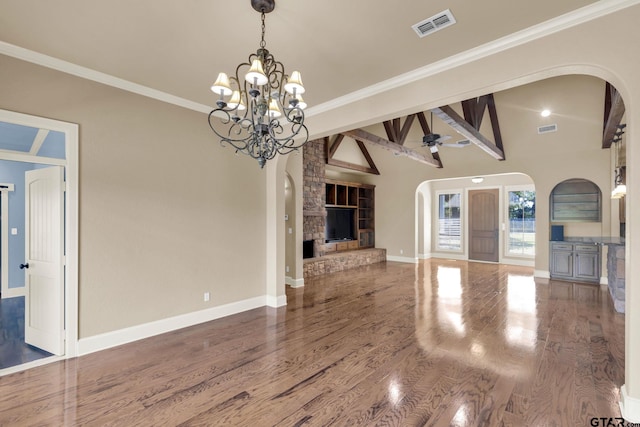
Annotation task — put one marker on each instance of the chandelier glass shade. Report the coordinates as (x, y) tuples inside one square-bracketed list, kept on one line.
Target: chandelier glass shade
[(260, 107)]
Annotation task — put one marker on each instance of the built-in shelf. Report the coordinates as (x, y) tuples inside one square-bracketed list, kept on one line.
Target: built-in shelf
[(361, 198), (576, 200)]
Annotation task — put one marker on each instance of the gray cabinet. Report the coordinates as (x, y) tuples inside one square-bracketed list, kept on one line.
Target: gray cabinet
[(575, 261)]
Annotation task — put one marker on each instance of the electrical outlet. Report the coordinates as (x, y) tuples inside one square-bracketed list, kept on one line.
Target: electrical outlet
[(207, 296), (287, 268), (401, 251)]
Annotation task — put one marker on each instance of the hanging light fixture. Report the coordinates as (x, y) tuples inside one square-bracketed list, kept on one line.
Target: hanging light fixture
[(264, 115), (620, 188)]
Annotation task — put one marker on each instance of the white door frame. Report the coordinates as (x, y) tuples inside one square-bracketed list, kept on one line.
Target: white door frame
[(70, 163), (4, 243)]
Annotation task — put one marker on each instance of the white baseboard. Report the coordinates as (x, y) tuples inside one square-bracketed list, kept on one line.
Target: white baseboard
[(543, 274), (275, 302), (402, 259), (518, 261), (13, 292), (138, 332), (629, 406), (458, 256), (424, 256), (294, 283)]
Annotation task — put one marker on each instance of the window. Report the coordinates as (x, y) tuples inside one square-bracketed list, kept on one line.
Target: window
[(522, 223), (449, 230)]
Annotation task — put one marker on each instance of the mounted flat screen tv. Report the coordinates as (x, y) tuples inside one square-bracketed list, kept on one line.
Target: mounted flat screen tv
[(341, 224)]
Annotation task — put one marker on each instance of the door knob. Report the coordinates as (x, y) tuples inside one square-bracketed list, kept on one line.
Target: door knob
[(24, 266)]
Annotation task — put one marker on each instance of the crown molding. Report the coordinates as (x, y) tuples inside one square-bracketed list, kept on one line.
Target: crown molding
[(554, 25), (568, 20), (97, 76)]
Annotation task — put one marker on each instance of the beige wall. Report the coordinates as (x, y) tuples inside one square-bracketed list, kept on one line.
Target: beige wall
[(601, 47), (166, 214)]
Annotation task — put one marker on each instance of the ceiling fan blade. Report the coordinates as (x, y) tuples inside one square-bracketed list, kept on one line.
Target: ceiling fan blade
[(444, 138), (458, 144)]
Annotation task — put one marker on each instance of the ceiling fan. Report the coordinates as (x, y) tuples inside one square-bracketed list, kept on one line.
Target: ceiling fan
[(433, 140)]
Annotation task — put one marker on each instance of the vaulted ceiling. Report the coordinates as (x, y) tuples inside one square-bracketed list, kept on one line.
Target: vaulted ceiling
[(174, 50)]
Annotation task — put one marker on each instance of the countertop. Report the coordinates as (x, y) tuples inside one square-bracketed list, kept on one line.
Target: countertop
[(604, 240)]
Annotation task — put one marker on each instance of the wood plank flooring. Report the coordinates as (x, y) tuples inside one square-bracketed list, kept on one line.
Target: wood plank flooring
[(441, 343)]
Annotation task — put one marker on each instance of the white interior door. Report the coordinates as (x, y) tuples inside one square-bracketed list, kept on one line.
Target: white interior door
[(44, 248)]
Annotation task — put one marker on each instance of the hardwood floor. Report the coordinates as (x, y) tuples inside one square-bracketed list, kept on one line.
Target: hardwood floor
[(442, 343), (13, 350)]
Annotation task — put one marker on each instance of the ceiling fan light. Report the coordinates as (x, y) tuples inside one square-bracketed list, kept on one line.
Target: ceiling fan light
[(222, 86)]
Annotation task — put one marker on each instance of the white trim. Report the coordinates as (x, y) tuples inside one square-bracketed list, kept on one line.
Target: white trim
[(4, 245), (97, 76), (629, 406), (70, 131), (13, 292), (543, 274), (29, 365), (402, 259), (424, 256), (275, 302), (28, 158), (294, 283), (604, 281), (450, 255), (554, 25), (146, 330), (518, 261)]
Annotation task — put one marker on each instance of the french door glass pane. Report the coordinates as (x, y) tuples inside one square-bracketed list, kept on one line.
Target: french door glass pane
[(522, 223), (449, 233)]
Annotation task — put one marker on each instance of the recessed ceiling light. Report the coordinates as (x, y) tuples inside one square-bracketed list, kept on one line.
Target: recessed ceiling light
[(545, 113)]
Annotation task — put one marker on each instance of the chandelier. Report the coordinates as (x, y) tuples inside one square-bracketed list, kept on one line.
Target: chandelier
[(264, 115)]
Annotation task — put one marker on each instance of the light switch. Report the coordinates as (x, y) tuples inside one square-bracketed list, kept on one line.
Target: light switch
[(14, 231), (290, 230)]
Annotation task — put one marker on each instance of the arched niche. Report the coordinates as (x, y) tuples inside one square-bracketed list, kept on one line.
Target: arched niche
[(576, 200)]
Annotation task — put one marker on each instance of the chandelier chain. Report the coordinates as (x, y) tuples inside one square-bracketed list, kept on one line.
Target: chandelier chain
[(262, 42)]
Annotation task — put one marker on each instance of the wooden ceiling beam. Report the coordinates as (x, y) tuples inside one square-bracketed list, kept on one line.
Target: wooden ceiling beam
[(613, 112), (495, 125), (460, 125), (398, 134), (331, 149), (362, 135)]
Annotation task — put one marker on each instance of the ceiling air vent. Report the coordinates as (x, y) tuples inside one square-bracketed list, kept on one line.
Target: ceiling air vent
[(435, 23), (547, 128)]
